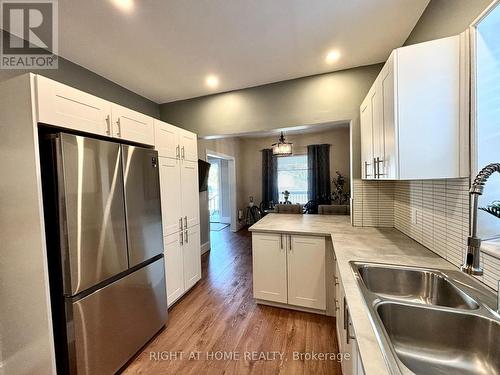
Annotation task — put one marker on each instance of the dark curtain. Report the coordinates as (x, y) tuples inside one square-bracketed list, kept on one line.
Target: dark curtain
[(269, 177), (318, 163)]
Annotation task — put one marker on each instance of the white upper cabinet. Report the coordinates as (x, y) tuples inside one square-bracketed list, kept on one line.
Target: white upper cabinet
[(174, 142), (167, 140), (64, 106), (366, 119), (416, 121), (189, 145), (132, 126)]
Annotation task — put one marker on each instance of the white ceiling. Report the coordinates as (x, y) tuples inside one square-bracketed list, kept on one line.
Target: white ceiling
[(163, 50)]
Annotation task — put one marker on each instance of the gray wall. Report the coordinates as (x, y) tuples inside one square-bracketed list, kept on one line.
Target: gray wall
[(444, 18), (310, 100), (76, 76)]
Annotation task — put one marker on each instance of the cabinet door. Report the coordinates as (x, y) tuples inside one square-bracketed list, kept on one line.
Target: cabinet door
[(174, 266), (132, 126), (389, 164), (366, 120), (306, 272), (64, 106), (190, 194), (338, 304), (269, 267), (192, 256), (189, 145), (346, 343), (378, 127), (170, 189), (166, 140)]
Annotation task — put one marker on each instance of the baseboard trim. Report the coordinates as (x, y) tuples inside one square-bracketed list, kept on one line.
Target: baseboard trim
[(290, 307), (205, 247)]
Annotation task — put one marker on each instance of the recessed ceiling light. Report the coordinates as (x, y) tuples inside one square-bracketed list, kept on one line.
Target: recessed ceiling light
[(125, 5), (332, 56), (212, 81)]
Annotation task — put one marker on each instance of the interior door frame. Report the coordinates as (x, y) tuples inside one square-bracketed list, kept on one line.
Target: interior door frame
[(232, 186)]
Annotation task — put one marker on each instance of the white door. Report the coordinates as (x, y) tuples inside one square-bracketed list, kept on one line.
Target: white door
[(366, 123), (170, 192), (189, 145), (64, 106), (166, 140), (191, 256), (174, 266), (388, 167), (190, 193), (269, 267), (132, 126), (306, 272)]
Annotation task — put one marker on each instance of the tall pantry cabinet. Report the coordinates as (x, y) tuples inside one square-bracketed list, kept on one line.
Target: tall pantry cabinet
[(177, 151)]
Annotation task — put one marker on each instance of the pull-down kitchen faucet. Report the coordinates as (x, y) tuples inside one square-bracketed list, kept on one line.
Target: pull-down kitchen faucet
[(472, 260)]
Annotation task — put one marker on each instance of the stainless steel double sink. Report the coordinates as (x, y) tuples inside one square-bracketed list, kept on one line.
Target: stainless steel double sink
[(431, 321)]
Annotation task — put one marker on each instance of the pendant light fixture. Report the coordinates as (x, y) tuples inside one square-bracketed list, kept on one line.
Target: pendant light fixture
[(282, 148)]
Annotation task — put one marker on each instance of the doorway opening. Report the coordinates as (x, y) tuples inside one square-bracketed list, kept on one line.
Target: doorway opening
[(221, 193), (219, 205)]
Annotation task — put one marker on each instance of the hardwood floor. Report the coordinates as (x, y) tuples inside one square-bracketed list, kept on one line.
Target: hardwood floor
[(219, 317)]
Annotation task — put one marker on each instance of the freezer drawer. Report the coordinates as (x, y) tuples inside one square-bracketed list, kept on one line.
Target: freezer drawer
[(142, 203), (113, 323), (91, 210)]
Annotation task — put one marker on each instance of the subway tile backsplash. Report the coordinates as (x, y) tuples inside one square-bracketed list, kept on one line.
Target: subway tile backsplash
[(434, 213)]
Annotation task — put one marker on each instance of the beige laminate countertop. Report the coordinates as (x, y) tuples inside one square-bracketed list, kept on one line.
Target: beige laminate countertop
[(357, 244)]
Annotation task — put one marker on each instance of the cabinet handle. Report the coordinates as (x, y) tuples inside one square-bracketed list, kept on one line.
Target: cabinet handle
[(366, 169), (177, 152), (119, 132), (290, 242), (375, 168), (281, 241), (186, 240), (181, 239), (336, 280), (185, 222), (182, 153), (337, 305), (108, 125), (348, 336), (345, 304), (180, 223), (378, 167)]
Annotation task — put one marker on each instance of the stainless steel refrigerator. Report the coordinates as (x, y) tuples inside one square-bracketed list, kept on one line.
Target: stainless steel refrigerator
[(105, 250)]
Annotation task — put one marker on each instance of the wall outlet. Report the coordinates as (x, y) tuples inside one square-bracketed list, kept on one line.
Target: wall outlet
[(414, 213)]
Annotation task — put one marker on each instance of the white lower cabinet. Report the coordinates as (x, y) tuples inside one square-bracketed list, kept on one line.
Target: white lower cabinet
[(269, 267), (182, 262), (345, 332), (306, 272), (289, 269)]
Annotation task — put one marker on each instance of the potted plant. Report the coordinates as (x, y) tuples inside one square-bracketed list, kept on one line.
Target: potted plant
[(340, 194)]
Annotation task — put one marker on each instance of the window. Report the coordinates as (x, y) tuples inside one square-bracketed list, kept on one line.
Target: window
[(292, 176)]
